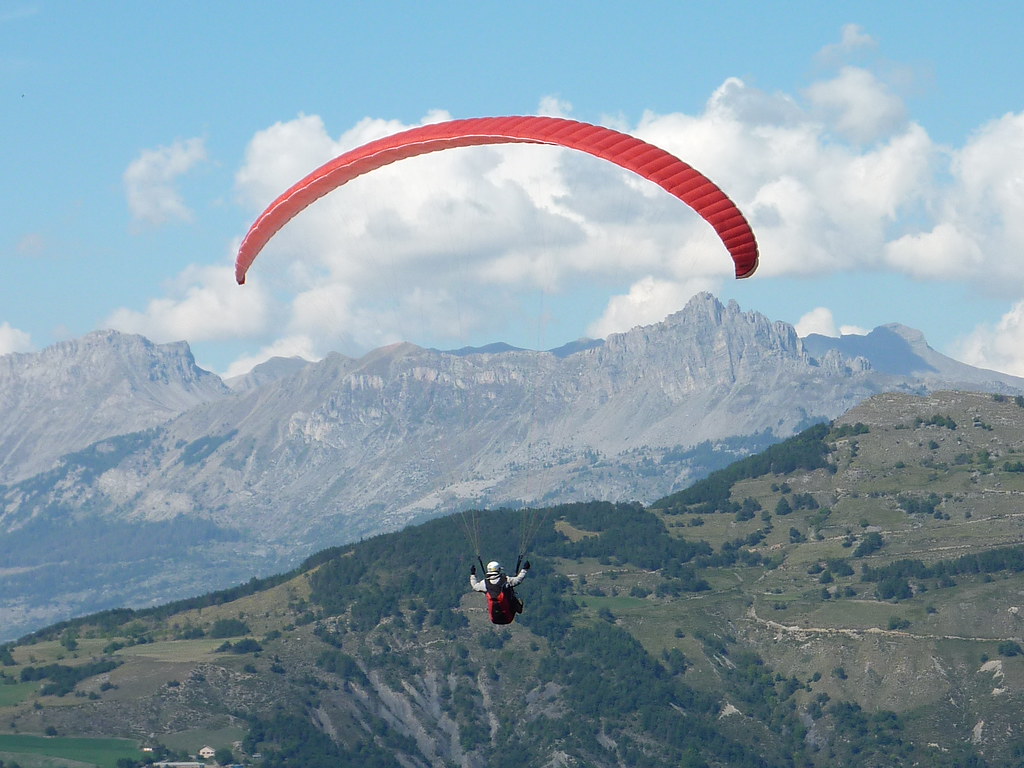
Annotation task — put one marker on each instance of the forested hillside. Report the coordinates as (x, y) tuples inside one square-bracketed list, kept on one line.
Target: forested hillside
[(850, 596)]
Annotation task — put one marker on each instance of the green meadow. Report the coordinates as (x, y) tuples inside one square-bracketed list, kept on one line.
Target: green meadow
[(33, 750)]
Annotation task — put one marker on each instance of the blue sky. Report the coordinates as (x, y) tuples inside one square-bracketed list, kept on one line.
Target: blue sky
[(877, 149)]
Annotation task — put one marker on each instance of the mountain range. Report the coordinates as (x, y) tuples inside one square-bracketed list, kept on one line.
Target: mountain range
[(131, 476)]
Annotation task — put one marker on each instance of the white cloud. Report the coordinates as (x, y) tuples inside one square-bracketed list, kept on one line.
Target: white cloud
[(289, 346), (999, 346), (280, 155), (649, 301), (816, 205), (974, 227), (552, 106), (819, 320), (943, 252), (329, 318), (14, 340), (150, 179), (857, 105), (204, 303)]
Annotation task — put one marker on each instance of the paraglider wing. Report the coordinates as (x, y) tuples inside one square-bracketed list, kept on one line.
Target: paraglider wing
[(661, 167)]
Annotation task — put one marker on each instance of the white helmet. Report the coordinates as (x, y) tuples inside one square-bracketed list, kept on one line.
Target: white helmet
[(494, 567)]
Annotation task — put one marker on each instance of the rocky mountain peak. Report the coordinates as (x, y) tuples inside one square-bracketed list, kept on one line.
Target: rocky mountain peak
[(76, 392)]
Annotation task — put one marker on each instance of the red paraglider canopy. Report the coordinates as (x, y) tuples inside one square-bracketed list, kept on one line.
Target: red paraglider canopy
[(664, 169)]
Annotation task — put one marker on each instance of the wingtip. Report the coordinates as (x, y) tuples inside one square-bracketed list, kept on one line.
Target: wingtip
[(747, 273)]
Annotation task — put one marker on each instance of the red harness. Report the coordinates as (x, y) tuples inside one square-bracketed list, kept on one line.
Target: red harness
[(501, 607)]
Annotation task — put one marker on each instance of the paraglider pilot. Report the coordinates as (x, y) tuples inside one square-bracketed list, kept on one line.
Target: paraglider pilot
[(502, 602)]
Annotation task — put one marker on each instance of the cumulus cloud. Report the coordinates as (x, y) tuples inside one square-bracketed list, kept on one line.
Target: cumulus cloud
[(649, 300), (943, 251), (150, 179), (820, 320), (998, 346), (975, 226), (817, 205), (857, 105), (202, 304), (14, 340)]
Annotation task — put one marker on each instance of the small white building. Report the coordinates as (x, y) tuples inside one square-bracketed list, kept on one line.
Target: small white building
[(207, 752)]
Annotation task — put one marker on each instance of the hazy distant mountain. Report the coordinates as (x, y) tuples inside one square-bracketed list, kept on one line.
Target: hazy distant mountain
[(903, 351), (273, 369), (77, 392), (316, 454), (565, 350)]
